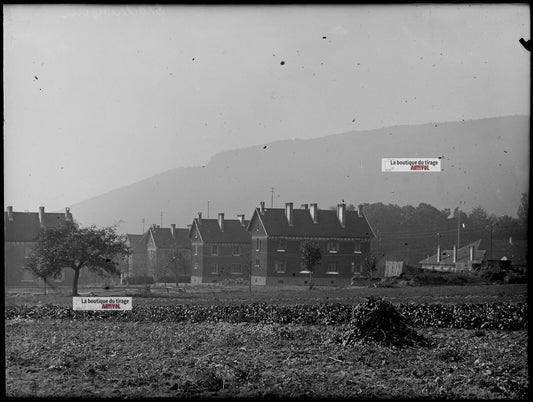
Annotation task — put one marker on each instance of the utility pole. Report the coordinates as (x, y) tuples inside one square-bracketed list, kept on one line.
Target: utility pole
[(491, 240), (161, 218), (207, 209), (272, 198), (458, 227), (143, 224)]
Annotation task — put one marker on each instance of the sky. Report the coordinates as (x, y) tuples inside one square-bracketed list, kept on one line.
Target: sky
[(99, 97)]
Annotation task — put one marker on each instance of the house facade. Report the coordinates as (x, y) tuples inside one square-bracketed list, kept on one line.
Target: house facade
[(154, 251), (21, 231), (467, 258), (277, 236), (136, 261), (220, 249)]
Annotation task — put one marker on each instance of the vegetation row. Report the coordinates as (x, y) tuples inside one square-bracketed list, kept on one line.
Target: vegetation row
[(498, 315)]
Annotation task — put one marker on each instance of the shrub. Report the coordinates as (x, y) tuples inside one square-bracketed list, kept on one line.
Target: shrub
[(370, 318)]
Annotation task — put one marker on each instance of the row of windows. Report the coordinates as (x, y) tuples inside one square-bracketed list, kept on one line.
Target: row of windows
[(216, 269), (332, 246), (215, 250), (332, 267)]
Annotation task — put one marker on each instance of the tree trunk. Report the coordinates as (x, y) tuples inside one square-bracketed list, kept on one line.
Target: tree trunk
[(75, 282)]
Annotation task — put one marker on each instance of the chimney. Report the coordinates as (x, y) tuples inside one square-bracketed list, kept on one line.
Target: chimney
[(262, 210), (454, 253), (189, 227), (471, 253), (341, 214), (241, 219), (511, 240), (172, 229), (438, 253), (10, 213), (288, 212), (305, 206), (360, 211), (199, 218), (41, 216), (314, 212), (221, 221), (68, 215)]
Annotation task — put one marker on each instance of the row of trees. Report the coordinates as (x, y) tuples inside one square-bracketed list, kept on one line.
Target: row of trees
[(411, 233)]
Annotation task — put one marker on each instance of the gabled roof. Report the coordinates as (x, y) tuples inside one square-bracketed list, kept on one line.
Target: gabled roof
[(234, 231), (463, 255), (25, 226), (328, 225), (133, 239), (163, 238)]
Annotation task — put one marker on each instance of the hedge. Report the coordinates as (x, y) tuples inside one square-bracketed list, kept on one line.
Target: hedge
[(499, 315)]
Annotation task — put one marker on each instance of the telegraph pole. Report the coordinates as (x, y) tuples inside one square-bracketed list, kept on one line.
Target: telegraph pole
[(142, 220), (161, 218), (458, 227), (207, 209), (272, 198)]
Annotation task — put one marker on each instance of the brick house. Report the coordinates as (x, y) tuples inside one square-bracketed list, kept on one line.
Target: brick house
[(21, 231), (136, 261), (158, 244), (220, 249), (277, 235)]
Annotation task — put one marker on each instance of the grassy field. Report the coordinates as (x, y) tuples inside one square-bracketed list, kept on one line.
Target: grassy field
[(62, 358), (207, 294)]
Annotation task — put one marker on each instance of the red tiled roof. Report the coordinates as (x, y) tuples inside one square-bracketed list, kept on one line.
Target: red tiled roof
[(328, 225), (234, 231), (25, 226)]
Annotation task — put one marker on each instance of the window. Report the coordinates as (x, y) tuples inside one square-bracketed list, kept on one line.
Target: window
[(196, 249), (214, 250), (236, 250), (303, 268), (257, 228), (195, 265), (357, 268), (214, 268), (333, 268), (258, 244), (333, 246), (357, 246), (281, 267), (282, 244), (257, 264), (236, 268)]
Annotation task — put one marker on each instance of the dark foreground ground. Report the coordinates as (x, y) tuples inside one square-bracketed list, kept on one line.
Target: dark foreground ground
[(48, 358), (62, 358)]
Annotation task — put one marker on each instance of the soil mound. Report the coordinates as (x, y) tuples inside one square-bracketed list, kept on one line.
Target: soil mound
[(378, 320)]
